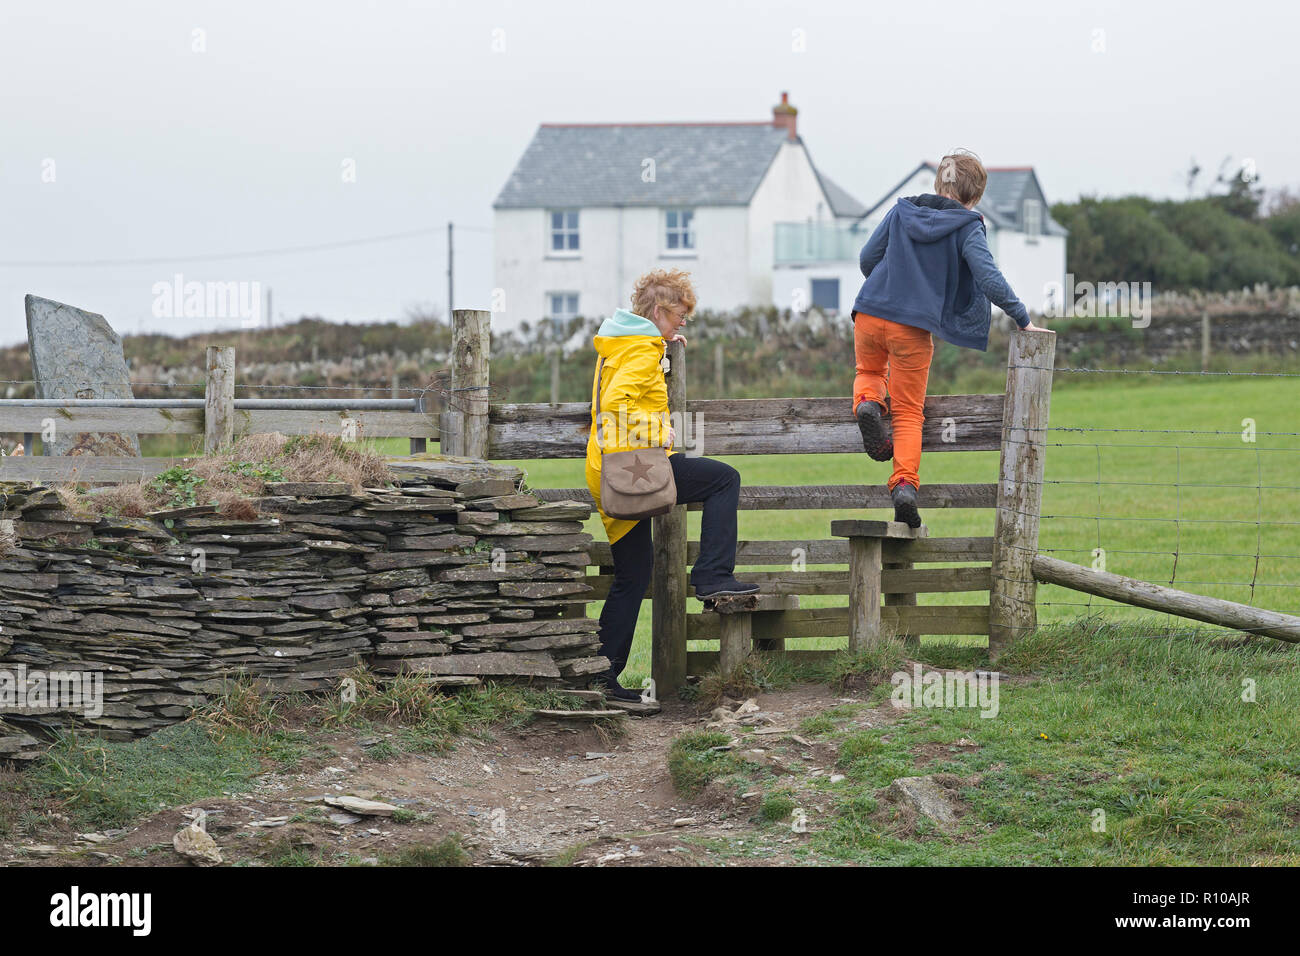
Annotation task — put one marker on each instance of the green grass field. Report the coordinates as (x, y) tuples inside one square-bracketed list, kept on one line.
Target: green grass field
[(1215, 501), (1114, 745)]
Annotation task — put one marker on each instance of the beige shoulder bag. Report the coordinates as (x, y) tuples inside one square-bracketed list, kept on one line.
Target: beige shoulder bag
[(634, 484)]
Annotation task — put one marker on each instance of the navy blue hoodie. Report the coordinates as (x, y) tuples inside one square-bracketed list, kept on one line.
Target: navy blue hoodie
[(928, 265)]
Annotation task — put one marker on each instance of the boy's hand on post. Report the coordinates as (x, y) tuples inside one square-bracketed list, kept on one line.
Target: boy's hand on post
[(1034, 328)]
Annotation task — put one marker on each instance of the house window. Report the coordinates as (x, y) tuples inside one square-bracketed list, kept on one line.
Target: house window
[(679, 230), (1033, 217), (564, 230), (562, 305), (826, 294)]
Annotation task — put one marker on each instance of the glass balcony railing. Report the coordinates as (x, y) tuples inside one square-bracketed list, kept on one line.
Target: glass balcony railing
[(798, 242)]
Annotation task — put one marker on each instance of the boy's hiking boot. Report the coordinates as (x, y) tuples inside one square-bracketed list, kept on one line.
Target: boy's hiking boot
[(608, 685), (875, 436), (724, 588), (904, 496)]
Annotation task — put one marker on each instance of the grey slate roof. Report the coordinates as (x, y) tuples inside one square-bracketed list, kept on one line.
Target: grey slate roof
[(1005, 189), (705, 164), (842, 202)]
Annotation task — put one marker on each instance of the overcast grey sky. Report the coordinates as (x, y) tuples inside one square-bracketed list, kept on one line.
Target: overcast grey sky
[(160, 150)]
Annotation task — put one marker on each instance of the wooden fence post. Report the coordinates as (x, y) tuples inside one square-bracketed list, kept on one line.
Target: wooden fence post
[(1012, 611), (1205, 341), (864, 593), (902, 599), (668, 585), (464, 424), (556, 356), (219, 407)]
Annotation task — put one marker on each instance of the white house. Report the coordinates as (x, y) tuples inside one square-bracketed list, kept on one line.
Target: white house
[(818, 264), (590, 207)]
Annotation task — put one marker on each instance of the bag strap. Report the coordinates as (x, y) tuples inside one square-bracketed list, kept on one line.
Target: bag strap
[(600, 373)]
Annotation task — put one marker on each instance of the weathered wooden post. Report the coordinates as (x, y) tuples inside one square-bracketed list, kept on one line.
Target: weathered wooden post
[(864, 593), (555, 373), (1205, 341), (668, 585), (902, 598), (464, 424), (735, 639), (219, 407), (1012, 609)]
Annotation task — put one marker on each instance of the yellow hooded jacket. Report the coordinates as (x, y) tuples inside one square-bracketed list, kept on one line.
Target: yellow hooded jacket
[(633, 398)]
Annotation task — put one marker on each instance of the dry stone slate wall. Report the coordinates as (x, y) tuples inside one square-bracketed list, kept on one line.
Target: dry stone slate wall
[(452, 573)]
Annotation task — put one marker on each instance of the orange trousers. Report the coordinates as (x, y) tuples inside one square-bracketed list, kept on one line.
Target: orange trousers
[(894, 360)]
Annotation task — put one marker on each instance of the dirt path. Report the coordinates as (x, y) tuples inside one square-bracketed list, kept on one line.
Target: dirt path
[(550, 792)]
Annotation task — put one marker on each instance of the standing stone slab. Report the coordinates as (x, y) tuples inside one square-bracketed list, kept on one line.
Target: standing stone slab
[(76, 354)]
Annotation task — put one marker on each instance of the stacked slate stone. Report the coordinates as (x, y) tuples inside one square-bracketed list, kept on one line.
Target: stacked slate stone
[(450, 573), (486, 583)]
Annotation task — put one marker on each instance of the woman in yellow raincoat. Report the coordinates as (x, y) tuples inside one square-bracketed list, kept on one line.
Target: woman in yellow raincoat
[(633, 392)]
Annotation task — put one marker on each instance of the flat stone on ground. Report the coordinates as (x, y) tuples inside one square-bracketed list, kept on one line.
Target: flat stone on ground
[(926, 796)]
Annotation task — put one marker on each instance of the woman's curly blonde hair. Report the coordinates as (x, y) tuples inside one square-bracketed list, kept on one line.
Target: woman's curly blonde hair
[(668, 287)]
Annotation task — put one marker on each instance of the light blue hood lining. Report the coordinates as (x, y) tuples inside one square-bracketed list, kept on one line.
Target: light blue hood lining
[(623, 322)]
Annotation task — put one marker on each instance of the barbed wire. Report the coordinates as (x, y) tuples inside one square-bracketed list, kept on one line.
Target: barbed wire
[(1181, 517), (1089, 444), (1206, 554), (1153, 371), (1154, 431)]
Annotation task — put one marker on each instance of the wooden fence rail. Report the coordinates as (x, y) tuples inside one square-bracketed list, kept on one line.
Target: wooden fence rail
[(218, 417), (750, 426), (1157, 597)]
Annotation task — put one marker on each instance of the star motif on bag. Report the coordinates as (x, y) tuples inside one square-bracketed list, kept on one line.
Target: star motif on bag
[(639, 470)]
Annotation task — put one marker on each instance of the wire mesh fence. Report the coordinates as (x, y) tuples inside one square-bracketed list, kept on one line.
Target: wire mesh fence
[(1203, 497)]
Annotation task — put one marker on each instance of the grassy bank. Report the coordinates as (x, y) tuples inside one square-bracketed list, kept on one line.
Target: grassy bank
[(1112, 745)]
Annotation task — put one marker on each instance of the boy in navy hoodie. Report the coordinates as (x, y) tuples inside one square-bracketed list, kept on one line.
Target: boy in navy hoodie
[(928, 272)]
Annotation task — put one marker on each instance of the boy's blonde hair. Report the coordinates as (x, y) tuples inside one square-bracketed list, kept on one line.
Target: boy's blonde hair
[(668, 287), (961, 176)]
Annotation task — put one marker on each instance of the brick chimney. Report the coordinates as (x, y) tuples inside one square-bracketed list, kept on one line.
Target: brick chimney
[(783, 115)]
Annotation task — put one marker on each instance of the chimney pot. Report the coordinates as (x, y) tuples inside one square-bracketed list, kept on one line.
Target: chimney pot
[(784, 116)]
